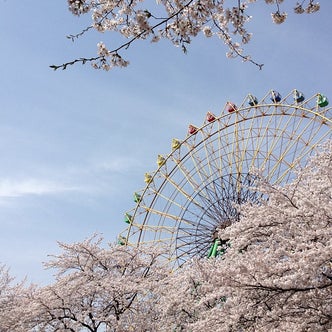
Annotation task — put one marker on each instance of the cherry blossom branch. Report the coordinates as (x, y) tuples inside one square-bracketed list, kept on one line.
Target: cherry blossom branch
[(73, 37), (231, 46), (123, 46), (183, 22)]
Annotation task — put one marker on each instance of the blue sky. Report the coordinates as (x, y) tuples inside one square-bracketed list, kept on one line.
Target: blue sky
[(75, 144)]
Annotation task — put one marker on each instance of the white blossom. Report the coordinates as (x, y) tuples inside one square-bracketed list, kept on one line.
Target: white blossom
[(312, 7), (207, 31), (298, 9), (278, 17)]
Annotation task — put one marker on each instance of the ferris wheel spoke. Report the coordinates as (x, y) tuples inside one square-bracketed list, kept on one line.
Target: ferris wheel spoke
[(186, 251), (188, 221), (291, 151), (199, 167), (192, 238), (164, 228), (211, 156), (273, 162), (208, 155), (171, 199), (198, 248), (154, 241), (188, 176), (305, 151), (269, 144), (238, 143), (258, 139), (244, 150), (178, 188)]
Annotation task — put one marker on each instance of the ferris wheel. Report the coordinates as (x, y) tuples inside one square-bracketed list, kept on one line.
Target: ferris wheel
[(195, 188)]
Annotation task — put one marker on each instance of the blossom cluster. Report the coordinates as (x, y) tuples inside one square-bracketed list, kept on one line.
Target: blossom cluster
[(176, 20)]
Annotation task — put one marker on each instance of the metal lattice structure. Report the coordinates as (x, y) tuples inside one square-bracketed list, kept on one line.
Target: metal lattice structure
[(194, 190)]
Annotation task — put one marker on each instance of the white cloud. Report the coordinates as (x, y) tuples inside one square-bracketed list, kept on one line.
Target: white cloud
[(118, 164), (17, 188), (97, 176)]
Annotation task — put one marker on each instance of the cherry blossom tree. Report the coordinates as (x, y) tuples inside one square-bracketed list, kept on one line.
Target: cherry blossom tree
[(98, 289), (178, 21), (273, 273), (276, 272), (14, 297)]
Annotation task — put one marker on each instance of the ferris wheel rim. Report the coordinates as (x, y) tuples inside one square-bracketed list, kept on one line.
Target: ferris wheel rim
[(299, 109)]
